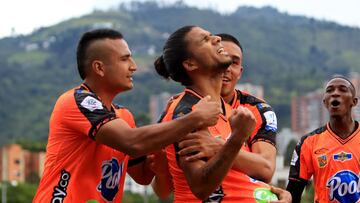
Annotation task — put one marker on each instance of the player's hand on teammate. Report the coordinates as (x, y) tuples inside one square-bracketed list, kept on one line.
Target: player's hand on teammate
[(242, 122), (158, 163), (283, 195), (198, 145), (208, 112)]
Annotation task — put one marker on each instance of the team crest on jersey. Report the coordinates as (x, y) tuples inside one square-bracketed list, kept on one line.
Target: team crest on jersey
[(342, 156), (271, 121), (111, 172), (216, 197), (322, 160), (91, 104), (344, 187)]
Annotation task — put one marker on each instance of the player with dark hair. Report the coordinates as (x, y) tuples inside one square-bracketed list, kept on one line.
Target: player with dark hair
[(197, 59), (91, 139), (330, 154)]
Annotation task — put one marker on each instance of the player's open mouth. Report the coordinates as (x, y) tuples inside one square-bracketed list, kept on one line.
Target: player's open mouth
[(222, 51), (335, 103), (226, 79)]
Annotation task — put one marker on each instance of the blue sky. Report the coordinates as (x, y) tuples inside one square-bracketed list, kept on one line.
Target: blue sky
[(40, 13)]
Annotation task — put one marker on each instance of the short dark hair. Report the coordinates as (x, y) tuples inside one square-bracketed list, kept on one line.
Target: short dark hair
[(230, 38), (170, 63), (86, 39), (352, 87)]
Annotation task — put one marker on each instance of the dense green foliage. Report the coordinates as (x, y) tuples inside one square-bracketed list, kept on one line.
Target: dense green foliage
[(288, 55), (21, 193)]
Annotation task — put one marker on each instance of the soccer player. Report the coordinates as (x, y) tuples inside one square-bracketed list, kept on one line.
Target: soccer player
[(91, 139), (330, 154), (259, 152), (196, 58)]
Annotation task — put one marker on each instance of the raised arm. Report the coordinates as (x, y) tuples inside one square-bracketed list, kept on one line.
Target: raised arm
[(140, 141), (204, 177), (260, 163)]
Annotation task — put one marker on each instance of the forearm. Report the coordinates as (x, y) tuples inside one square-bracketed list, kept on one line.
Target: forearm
[(152, 137), (296, 189), (207, 177), (141, 173), (140, 141), (255, 165), (162, 185)]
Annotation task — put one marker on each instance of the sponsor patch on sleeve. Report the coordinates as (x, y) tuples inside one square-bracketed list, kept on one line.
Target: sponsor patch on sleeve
[(294, 159), (91, 104), (271, 121)]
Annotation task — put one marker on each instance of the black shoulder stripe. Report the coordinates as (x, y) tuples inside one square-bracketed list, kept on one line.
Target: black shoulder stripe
[(295, 162), (93, 109), (248, 99), (118, 106), (185, 105)]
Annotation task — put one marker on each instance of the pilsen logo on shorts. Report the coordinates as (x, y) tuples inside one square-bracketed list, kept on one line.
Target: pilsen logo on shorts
[(110, 176), (59, 193)]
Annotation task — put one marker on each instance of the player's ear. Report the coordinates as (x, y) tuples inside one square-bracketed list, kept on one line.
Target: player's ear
[(98, 67), (355, 101), (189, 65)]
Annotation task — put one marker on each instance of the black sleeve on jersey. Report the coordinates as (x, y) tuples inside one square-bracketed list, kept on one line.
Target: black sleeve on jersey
[(264, 134), (97, 117), (296, 189), (183, 107), (294, 172), (133, 162)]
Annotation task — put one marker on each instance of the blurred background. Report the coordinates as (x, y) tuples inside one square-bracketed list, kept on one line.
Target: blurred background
[(290, 50)]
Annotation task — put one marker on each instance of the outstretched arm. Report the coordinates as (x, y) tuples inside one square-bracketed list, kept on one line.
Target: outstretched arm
[(140, 141)]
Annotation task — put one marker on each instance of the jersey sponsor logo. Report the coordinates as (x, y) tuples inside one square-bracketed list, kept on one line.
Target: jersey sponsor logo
[(80, 91), (111, 172), (294, 158), (342, 156), (344, 187), (321, 151), (263, 195), (253, 180), (263, 105), (60, 193), (91, 104), (271, 121), (216, 197), (322, 160)]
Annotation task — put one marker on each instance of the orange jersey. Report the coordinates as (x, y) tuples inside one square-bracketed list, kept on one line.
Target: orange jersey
[(236, 186), (77, 168), (266, 122), (333, 162)]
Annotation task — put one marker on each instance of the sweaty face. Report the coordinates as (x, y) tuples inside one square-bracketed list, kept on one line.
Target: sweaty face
[(338, 98), (234, 71), (206, 49), (119, 65)]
